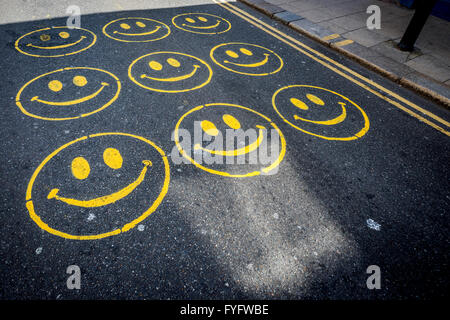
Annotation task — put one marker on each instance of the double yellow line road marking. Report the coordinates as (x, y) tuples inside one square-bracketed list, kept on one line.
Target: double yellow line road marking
[(393, 98)]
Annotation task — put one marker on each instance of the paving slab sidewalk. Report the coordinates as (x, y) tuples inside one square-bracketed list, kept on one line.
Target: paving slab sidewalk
[(342, 25)]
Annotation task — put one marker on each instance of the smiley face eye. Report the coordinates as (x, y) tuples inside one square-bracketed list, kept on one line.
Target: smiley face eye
[(173, 62), (55, 85), (64, 35), (155, 65), (190, 20), (209, 128), (112, 158), (80, 168), (79, 81), (202, 19), (125, 26), (231, 121), (231, 54), (140, 24), (299, 104), (44, 37), (246, 51), (315, 99)]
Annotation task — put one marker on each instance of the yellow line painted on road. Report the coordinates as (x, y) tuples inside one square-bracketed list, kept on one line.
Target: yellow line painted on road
[(313, 55), (331, 37), (343, 43)]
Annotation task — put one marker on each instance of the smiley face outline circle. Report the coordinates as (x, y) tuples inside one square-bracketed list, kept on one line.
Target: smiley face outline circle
[(17, 43), (358, 135), (128, 226), (211, 54), (130, 18), (170, 91), (203, 14), (267, 169), (24, 110)]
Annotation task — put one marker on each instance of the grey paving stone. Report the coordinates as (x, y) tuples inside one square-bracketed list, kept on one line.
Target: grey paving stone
[(360, 51), (426, 82), (269, 9), (306, 26), (431, 66), (390, 65), (365, 37), (351, 22), (254, 2), (388, 49), (319, 15), (332, 27), (287, 16), (321, 18)]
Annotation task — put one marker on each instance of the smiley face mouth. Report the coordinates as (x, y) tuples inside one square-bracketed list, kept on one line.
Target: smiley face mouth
[(139, 34), (57, 47), (202, 28), (251, 65), (331, 122), (104, 200), (71, 102), (173, 79), (237, 152)]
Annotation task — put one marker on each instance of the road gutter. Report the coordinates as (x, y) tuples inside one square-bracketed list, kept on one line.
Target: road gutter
[(393, 70)]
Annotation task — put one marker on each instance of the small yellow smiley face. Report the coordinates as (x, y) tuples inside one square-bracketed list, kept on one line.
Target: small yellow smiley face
[(55, 42), (202, 23), (169, 72), (246, 58), (68, 93), (320, 112), (136, 30), (98, 186), (233, 140)]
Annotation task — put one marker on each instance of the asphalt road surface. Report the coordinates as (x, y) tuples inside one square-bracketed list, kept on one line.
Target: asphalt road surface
[(100, 166)]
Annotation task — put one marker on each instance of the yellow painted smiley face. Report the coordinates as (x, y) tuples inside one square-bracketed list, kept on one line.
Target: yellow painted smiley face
[(136, 30), (68, 93), (234, 140), (98, 186), (246, 58), (320, 112), (170, 72), (55, 42), (201, 23)]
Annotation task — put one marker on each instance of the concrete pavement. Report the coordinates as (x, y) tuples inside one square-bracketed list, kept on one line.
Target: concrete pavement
[(342, 25)]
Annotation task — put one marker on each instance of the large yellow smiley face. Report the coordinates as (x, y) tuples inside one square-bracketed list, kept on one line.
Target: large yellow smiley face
[(246, 58), (98, 186), (202, 23), (55, 42), (320, 112), (233, 140), (169, 72), (136, 30), (68, 93)]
